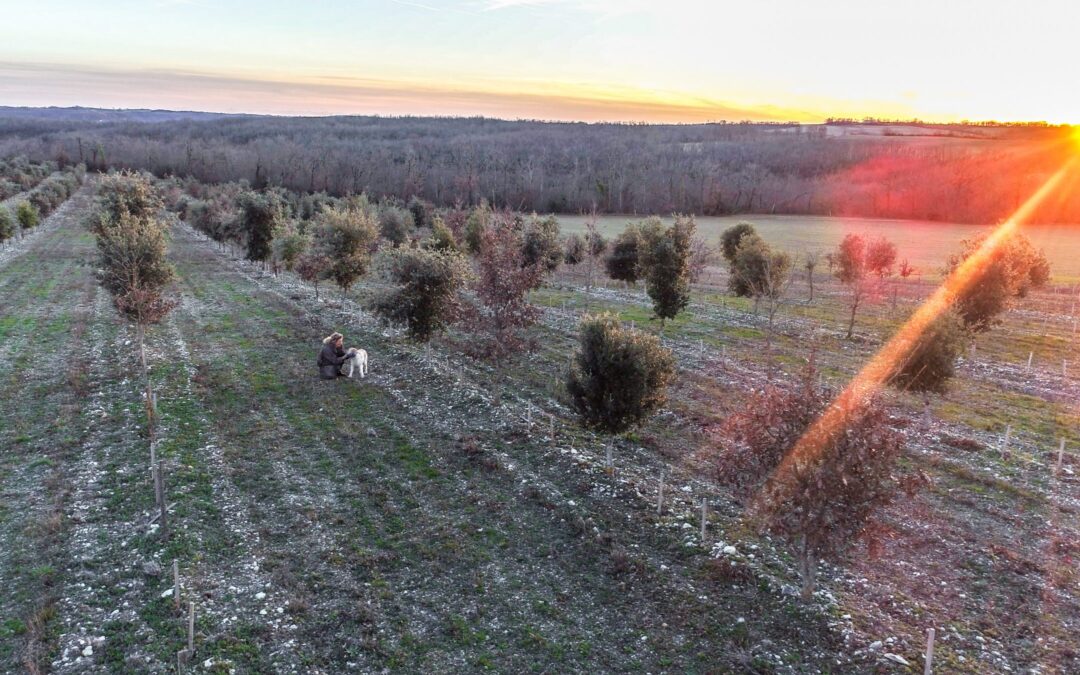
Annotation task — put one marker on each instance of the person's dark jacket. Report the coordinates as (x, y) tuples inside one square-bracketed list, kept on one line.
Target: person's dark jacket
[(330, 360)]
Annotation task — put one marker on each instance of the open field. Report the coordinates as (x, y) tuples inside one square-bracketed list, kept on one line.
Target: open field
[(418, 522), (926, 245)]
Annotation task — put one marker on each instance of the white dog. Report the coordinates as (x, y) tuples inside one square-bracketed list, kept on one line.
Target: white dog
[(358, 362)]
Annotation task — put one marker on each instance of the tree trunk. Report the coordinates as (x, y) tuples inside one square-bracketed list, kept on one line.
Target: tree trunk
[(851, 321), (807, 569), (810, 278)]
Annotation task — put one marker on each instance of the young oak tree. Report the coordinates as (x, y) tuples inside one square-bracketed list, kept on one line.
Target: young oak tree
[(861, 273), (1015, 267), (132, 251), (502, 285), (260, 215), (619, 376), (930, 361), (344, 236), (540, 245), (395, 224), (312, 266), (665, 264), (760, 273), (622, 263), (595, 245), (574, 250), (442, 237), (820, 501), (428, 282), (730, 238), (27, 216), (7, 225)]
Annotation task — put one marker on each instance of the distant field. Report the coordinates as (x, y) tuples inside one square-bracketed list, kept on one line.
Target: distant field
[(925, 244)]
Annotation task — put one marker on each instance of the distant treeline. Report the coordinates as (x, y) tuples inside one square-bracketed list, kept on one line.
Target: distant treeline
[(708, 169)]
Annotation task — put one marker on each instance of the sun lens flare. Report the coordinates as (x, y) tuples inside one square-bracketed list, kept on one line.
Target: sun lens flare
[(884, 363)]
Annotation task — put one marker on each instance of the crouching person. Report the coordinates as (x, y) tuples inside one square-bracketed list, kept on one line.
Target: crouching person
[(333, 356)]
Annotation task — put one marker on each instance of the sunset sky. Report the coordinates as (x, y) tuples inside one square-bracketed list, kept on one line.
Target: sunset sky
[(673, 61)]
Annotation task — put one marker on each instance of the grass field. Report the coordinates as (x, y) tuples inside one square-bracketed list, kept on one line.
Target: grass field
[(926, 245), (417, 522)]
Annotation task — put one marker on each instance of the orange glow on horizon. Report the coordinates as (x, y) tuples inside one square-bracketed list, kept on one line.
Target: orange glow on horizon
[(875, 374)]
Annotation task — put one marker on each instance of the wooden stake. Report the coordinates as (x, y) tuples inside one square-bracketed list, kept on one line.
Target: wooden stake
[(660, 496), (704, 516), (928, 668), (160, 484), (156, 475), (607, 459), (176, 585), (1005, 444), (1031, 355), (1064, 368), (191, 629), (1061, 455)]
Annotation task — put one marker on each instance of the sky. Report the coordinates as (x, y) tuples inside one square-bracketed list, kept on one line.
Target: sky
[(591, 60)]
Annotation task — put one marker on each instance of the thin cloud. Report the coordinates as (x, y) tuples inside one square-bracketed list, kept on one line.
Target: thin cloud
[(54, 84)]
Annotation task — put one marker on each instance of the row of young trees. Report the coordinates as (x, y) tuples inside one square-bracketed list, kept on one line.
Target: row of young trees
[(39, 203), (619, 376), (19, 174)]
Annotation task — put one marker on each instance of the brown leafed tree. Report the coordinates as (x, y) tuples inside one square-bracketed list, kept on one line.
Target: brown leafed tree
[(815, 486), (502, 286)]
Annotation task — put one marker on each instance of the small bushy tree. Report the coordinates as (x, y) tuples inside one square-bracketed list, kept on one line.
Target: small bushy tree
[(288, 245), (27, 215), (427, 282), (930, 362), (730, 238), (502, 285), (345, 236), (442, 237), (574, 250), (132, 250), (821, 500), (422, 212), (1014, 267), (856, 269), (763, 274), (395, 224), (475, 224), (880, 257), (622, 263), (7, 225), (261, 214), (312, 267), (618, 377), (131, 193), (540, 245), (665, 262)]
